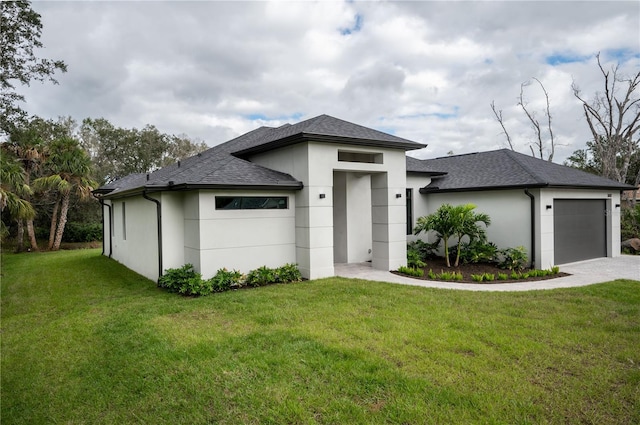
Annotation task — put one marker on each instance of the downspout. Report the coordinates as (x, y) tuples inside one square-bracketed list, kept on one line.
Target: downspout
[(159, 220), (533, 227), (103, 204)]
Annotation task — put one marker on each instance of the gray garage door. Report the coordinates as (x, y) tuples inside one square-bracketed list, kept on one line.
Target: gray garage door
[(579, 227)]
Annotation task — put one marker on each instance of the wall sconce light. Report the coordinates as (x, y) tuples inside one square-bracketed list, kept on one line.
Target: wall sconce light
[(322, 195), (617, 205), (398, 195), (549, 207)]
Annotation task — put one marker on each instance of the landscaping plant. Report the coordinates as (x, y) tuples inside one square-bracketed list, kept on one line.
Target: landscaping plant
[(449, 221)]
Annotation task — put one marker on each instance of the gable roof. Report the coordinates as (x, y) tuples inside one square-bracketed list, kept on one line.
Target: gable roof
[(226, 166), (505, 169)]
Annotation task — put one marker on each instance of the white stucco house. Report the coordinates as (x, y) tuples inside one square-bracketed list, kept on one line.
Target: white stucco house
[(326, 191)]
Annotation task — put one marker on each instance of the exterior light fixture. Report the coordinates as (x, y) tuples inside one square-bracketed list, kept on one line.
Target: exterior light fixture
[(549, 207), (322, 195), (398, 195)]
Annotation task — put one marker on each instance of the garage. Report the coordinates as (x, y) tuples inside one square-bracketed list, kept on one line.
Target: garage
[(580, 229)]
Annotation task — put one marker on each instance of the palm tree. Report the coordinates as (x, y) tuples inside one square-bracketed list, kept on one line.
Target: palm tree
[(449, 221), (12, 192), (69, 169), (465, 223), (28, 148), (441, 222)]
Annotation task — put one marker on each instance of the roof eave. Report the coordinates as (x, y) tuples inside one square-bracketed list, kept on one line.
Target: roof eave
[(196, 186), (311, 137), (426, 190)]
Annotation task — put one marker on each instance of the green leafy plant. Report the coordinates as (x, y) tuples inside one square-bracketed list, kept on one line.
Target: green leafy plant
[(449, 275), (432, 275), (630, 222), (225, 280), (196, 286), (261, 276), (414, 259), (176, 278), (503, 276), (513, 258), (555, 270), (449, 221), (478, 251), (426, 250), (288, 273), (411, 271), (477, 277)]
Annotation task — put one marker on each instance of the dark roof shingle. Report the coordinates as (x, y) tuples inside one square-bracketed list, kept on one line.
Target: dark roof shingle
[(503, 169), (225, 166)]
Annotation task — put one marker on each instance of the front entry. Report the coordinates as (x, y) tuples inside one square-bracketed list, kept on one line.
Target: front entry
[(352, 217)]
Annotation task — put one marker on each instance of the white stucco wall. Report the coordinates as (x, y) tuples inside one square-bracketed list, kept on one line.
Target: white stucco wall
[(241, 239), (173, 229), (139, 250), (416, 181), (509, 211), (314, 164)]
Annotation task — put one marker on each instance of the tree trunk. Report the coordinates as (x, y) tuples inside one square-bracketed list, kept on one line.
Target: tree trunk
[(54, 222), (32, 235), (64, 208), (20, 237)]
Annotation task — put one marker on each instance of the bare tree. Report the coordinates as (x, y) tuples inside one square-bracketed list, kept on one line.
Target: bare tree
[(540, 144), (544, 136), (498, 115), (613, 117)]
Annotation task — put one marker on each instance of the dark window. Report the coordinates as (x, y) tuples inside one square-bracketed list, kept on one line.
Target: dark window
[(252, 202), (409, 211), (368, 158)]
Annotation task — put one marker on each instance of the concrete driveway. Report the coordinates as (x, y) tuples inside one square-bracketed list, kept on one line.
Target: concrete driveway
[(582, 273)]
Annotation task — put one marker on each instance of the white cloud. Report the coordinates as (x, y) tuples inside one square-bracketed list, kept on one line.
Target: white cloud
[(426, 71)]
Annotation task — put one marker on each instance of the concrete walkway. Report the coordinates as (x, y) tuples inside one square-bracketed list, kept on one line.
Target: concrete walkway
[(582, 273)]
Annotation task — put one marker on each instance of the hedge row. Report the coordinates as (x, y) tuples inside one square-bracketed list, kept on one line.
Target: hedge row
[(186, 281)]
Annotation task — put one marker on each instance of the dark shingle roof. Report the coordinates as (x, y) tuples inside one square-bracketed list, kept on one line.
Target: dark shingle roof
[(326, 129), (504, 169), (224, 165)]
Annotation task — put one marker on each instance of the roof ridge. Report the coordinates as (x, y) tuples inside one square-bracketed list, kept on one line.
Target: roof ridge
[(516, 157)]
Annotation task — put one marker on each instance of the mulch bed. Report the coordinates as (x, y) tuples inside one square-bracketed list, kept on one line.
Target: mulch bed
[(439, 265)]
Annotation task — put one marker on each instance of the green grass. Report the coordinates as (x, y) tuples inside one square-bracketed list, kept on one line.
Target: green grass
[(86, 341)]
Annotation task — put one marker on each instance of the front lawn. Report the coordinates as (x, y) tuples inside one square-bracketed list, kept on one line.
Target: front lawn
[(86, 341)]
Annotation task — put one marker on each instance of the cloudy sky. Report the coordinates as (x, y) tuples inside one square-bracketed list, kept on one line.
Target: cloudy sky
[(425, 71)]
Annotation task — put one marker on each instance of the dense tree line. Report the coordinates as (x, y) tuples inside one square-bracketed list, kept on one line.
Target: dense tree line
[(50, 168)]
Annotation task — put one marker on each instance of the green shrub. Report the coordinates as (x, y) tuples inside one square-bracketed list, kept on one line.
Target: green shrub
[(225, 280), (411, 271), (288, 273), (261, 276), (82, 232), (555, 270), (432, 275), (514, 275), (503, 276), (484, 277), (478, 251), (449, 276), (413, 258), (426, 250), (630, 222), (196, 286), (186, 281), (513, 258)]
